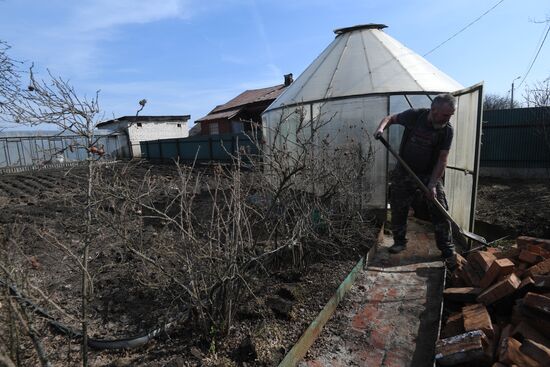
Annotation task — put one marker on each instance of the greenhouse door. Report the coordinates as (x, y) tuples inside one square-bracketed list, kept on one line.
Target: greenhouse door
[(461, 175)]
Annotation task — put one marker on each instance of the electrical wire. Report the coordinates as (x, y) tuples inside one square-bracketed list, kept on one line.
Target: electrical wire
[(463, 29), (536, 56)]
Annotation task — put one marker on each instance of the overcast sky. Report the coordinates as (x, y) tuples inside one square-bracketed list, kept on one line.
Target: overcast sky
[(187, 56)]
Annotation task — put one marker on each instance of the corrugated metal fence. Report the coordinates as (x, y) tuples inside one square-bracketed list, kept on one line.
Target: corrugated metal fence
[(516, 138), (201, 148)]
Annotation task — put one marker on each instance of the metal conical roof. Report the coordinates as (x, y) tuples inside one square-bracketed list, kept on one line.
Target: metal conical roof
[(364, 60)]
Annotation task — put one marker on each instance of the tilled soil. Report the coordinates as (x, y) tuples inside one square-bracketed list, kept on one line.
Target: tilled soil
[(515, 207), (277, 309)]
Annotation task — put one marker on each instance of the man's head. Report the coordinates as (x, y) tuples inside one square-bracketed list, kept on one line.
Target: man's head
[(443, 107)]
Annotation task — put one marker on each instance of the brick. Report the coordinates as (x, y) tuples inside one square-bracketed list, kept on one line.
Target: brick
[(541, 268), (460, 271), (534, 318), (505, 333), (476, 317), (453, 326), (494, 342), (538, 250), (499, 268), (510, 354), (463, 348), (481, 260), (524, 241), (529, 257), (542, 282), (511, 253), (493, 250), (473, 274), (537, 302), (462, 294), (499, 290), (524, 331), (457, 281), (526, 285), (536, 351)]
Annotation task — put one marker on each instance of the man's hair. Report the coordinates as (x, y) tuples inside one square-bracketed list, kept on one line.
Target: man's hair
[(444, 98)]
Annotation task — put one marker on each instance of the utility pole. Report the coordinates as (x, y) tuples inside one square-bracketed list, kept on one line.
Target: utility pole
[(512, 94)]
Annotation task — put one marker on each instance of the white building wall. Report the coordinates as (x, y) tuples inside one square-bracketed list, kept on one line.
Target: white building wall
[(155, 131)]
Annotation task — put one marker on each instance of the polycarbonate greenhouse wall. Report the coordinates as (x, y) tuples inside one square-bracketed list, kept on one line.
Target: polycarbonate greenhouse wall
[(356, 118)]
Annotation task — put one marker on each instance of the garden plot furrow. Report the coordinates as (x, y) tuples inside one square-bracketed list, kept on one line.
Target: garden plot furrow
[(14, 189), (40, 180)]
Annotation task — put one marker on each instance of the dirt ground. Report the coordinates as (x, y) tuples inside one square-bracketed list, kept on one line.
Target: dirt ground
[(513, 207), (278, 308)]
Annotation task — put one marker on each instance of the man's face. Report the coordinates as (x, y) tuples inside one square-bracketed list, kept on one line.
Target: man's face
[(441, 114)]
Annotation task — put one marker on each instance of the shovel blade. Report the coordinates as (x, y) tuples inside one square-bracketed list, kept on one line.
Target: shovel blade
[(474, 237)]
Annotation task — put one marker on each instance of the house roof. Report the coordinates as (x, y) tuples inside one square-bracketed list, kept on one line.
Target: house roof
[(220, 115), (248, 97), (183, 118), (364, 60)]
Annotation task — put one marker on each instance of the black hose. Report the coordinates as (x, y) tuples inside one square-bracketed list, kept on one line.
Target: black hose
[(124, 343)]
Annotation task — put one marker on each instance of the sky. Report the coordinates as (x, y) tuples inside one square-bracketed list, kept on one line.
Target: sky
[(187, 56)]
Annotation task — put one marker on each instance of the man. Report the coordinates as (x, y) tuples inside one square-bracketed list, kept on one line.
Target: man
[(424, 147)]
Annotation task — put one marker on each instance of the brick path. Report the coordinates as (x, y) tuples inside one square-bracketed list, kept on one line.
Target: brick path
[(390, 316)]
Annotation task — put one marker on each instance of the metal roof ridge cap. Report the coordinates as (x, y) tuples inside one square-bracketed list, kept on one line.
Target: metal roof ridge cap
[(340, 31)]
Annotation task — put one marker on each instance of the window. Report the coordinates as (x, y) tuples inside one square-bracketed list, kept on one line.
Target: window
[(139, 124), (179, 125), (214, 128), (237, 127)]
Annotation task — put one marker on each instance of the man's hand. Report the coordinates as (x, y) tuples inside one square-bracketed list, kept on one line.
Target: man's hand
[(432, 192), (378, 134)]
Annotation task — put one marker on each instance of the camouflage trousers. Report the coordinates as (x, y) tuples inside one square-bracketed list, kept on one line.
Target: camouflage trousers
[(403, 193)]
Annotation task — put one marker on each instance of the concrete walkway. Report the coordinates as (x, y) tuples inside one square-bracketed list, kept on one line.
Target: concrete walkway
[(390, 316)]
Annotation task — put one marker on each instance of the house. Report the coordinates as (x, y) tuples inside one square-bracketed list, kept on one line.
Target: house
[(143, 128), (239, 114)]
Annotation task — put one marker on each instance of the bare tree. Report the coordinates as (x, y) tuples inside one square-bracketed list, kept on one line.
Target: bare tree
[(498, 102), (9, 80), (538, 94)]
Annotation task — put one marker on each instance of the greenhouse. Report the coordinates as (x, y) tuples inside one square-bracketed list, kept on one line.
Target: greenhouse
[(363, 76)]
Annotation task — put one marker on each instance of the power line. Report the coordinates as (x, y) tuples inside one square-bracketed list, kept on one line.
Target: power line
[(463, 29), (536, 56)]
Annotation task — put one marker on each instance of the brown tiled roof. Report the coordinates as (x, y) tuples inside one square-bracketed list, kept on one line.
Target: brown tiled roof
[(220, 115), (252, 96)]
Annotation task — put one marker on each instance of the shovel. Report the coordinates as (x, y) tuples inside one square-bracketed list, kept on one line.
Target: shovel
[(423, 187)]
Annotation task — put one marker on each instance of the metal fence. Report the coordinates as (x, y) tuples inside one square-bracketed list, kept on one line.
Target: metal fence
[(25, 151), (202, 148), (516, 138)]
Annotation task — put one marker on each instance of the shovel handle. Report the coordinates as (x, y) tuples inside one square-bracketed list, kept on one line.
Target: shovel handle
[(419, 183)]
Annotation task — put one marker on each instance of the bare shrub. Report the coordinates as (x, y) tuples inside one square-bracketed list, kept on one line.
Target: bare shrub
[(206, 233)]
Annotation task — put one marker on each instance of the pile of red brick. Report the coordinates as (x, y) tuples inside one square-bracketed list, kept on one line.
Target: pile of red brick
[(498, 308)]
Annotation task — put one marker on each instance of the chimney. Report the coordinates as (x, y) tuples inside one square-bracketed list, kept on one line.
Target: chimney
[(288, 79)]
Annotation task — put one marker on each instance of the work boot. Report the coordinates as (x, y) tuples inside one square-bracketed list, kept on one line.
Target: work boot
[(449, 257), (397, 248), (447, 254)]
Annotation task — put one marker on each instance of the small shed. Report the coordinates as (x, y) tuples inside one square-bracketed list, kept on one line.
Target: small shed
[(239, 114), (143, 128), (364, 75)]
